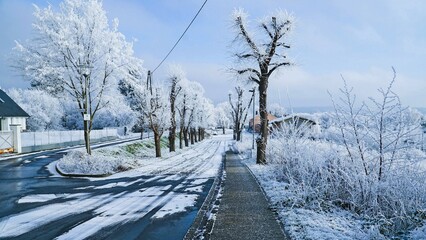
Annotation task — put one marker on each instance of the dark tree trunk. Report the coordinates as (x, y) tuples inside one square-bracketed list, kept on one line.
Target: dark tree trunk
[(200, 134), (192, 136), (87, 138), (181, 137), (157, 142), (261, 144), (185, 137), (238, 135), (223, 130), (172, 129), (172, 139)]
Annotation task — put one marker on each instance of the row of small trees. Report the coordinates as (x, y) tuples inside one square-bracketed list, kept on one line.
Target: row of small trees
[(178, 107)]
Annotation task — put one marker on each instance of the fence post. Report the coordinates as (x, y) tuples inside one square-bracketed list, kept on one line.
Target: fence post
[(17, 141)]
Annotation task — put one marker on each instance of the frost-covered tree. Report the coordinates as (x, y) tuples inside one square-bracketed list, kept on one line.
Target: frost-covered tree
[(203, 118), (45, 110), (239, 110), (157, 112), (187, 104), (276, 109), (127, 87), (175, 76), (75, 52), (222, 115), (375, 132), (260, 58), (116, 114)]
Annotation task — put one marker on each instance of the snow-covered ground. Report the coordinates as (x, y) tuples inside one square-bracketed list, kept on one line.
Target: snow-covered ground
[(321, 222), (303, 223), (155, 188)]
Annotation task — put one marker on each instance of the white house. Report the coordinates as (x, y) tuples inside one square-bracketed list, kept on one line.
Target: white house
[(11, 113)]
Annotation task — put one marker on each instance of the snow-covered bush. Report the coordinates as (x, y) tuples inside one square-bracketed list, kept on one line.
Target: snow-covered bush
[(372, 168), (78, 162), (320, 175)]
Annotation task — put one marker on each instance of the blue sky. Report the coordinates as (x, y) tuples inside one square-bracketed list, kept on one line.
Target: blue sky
[(359, 39)]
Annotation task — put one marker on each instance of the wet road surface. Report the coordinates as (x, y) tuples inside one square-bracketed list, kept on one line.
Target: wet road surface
[(158, 201)]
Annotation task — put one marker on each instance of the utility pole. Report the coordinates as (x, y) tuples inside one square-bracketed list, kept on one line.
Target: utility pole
[(149, 82)]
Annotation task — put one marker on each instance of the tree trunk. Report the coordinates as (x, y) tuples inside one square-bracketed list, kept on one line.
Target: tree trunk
[(238, 135), (185, 137), (261, 144), (223, 130), (192, 136), (157, 142), (172, 139), (87, 137), (172, 129), (181, 138)]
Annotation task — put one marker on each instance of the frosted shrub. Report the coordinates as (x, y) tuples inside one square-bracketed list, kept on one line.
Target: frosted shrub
[(99, 163), (370, 169), (320, 175)]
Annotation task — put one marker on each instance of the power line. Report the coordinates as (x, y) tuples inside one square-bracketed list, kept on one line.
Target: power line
[(177, 42)]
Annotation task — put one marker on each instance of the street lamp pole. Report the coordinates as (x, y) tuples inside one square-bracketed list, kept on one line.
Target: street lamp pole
[(252, 125), (86, 116), (86, 111)]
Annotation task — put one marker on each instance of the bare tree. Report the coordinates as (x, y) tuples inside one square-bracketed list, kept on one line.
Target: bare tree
[(264, 58)]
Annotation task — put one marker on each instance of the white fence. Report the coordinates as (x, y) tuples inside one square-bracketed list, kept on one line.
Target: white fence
[(35, 141), (6, 140)]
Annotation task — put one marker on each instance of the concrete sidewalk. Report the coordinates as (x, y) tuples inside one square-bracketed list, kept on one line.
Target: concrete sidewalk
[(243, 211)]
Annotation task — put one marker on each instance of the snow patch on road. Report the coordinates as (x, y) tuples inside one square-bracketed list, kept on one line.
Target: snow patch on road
[(21, 223), (37, 198), (179, 203)]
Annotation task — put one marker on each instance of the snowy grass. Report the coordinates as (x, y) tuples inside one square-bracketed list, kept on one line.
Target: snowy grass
[(302, 222), (108, 160), (316, 192)]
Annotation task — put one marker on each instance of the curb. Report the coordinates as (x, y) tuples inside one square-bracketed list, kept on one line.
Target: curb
[(58, 169), (200, 222)]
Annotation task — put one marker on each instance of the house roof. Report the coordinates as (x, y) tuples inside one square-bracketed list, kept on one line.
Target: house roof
[(9, 108), (257, 118), (299, 116)]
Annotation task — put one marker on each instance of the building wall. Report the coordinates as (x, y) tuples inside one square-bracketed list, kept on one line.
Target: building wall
[(7, 121)]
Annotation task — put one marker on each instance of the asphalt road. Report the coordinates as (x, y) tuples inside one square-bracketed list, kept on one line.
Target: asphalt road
[(36, 204)]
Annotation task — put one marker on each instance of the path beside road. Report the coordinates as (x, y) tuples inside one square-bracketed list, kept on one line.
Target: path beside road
[(244, 211)]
